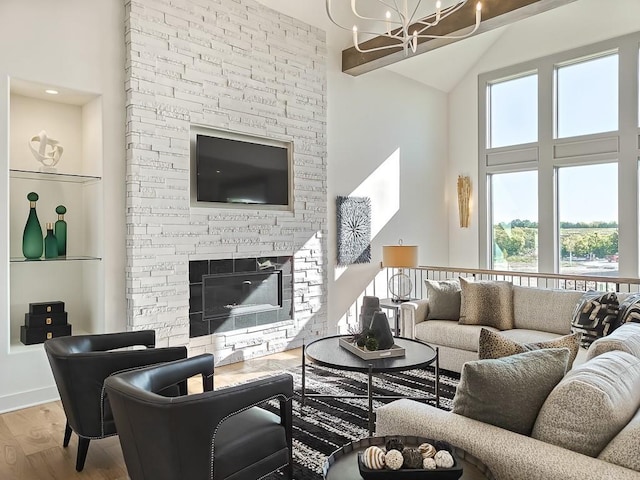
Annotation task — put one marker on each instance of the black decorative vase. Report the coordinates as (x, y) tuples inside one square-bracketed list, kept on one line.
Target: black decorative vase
[(381, 331)]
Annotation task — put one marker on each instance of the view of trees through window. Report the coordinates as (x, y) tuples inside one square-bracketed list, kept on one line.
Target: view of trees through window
[(584, 213)]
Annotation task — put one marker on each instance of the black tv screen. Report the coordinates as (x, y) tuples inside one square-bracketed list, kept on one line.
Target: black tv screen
[(235, 171)]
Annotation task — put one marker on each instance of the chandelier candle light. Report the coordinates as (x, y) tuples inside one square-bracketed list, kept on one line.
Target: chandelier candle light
[(404, 22)]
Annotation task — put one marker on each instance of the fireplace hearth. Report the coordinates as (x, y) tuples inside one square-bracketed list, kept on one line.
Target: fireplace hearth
[(232, 294)]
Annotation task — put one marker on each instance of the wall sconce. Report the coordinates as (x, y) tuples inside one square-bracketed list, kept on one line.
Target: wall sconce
[(400, 256), (464, 197)]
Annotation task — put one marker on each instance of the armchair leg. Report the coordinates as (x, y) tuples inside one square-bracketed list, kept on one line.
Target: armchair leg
[(83, 447), (67, 435)]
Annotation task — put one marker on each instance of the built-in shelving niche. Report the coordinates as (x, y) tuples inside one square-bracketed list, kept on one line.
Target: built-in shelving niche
[(75, 120)]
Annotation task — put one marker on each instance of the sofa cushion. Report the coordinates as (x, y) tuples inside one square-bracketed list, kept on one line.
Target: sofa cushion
[(495, 345), (450, 334), (625, 338), (629, 309), (508, 392), (591, 404), (544, 309), (486, 303), (595, 316), (444, 299), (624, 449)]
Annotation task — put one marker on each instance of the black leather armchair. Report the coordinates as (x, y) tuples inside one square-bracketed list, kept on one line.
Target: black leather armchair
[(211, 435), (80, 365)]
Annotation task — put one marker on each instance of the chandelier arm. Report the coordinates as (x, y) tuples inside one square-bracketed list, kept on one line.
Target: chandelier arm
[(333, 20), (415, 11), (362, 17), (452, 9), (475, 28)]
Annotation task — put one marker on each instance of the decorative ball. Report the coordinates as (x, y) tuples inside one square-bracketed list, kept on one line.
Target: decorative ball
[(429, 463), (443, 459), (394, 459), (371, 344), (394, 444), (412, 458), (33, 196), (61, 209), (441, 445), (361, 341), (427, 450), (373, 458)]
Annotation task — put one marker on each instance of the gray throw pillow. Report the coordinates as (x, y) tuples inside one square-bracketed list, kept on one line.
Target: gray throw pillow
[(494, 345), (444, 299), (488, 303), (508, 392)]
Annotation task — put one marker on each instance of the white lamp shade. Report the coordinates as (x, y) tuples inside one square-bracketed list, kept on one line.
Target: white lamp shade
[(400, 256)]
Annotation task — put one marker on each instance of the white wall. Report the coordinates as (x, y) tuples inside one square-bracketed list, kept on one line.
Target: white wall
[(585, 22), (78, 45), (387, 139)]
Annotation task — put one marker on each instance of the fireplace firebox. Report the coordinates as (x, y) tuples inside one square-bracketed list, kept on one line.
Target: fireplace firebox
[(232, 294)]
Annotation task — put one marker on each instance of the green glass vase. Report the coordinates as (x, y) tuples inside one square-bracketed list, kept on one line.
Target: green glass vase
[(32, 243), (50, 243), (61, 230)]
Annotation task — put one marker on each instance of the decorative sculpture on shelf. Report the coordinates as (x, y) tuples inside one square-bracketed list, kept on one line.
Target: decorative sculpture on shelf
[(48, 157), (50, 243)]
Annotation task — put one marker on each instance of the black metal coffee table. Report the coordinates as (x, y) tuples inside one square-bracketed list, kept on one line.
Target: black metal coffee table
[(327, 352)]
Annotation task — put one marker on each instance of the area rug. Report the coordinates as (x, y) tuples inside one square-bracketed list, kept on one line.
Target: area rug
[(325, 424)]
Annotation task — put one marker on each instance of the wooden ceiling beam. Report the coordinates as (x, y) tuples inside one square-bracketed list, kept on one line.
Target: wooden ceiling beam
[(495, 14)]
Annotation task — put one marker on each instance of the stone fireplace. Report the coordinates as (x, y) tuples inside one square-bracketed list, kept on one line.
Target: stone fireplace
[(232, 65), (232, 294)]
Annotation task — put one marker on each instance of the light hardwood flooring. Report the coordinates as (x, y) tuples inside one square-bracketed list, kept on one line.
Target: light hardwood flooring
[(31, 439)]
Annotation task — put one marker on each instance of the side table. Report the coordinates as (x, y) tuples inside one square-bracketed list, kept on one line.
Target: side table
[(393, 306)]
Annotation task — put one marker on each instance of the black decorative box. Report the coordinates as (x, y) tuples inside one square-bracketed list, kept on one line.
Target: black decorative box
[(32, 320), (33, 335), (43, 308)]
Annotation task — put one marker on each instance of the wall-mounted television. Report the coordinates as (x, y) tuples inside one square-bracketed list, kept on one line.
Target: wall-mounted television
[(239, 169)]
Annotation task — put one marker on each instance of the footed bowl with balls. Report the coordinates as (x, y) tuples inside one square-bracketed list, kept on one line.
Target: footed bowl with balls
[(409, 458)]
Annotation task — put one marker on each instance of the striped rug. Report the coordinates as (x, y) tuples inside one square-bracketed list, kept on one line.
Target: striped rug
[(325, 424)]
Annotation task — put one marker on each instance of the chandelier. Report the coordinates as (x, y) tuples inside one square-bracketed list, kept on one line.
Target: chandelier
[(403, 22)]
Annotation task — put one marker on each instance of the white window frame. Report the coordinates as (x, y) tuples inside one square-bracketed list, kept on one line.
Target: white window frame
[(549, 153)]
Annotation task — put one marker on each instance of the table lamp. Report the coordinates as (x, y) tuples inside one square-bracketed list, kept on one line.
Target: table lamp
[(400, 256)]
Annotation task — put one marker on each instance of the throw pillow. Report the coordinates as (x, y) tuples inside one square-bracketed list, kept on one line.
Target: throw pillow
[(444, 299), (486, 303), (595, 316), (494, 345), (630, 309), (591, 404), (508, 392)]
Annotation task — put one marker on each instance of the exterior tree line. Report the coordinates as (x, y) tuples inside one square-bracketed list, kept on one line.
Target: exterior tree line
[(518, 238)]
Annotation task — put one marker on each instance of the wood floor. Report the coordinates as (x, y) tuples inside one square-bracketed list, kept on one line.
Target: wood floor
[(31, 439)]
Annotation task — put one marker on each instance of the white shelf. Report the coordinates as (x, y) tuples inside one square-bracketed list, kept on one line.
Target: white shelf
[(53, 176), (67, 258)]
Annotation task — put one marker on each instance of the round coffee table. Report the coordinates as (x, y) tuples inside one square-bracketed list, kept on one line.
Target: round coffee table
[(327, 352), (343, 463)]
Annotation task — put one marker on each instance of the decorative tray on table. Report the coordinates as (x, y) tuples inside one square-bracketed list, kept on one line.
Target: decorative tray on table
[(439, 473), (395, 351)]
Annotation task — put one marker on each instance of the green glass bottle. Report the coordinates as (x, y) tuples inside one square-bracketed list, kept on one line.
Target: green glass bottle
[(50, 243), (61, 231), (32, 244)]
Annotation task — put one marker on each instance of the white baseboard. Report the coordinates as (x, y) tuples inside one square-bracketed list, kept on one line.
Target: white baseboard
[(17, 401)]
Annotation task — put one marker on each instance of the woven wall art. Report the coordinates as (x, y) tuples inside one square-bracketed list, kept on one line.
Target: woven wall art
[(354, 230)]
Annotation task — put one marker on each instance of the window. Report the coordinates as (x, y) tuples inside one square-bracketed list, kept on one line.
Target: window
[(514, 212), (588, 219), (557, 150), (587, 97), (513, 111)]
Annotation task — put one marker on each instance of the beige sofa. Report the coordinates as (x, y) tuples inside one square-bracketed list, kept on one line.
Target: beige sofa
[(539, 315), (513, 456)]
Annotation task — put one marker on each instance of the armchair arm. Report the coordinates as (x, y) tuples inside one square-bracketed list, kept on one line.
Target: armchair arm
[(413, 313)]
